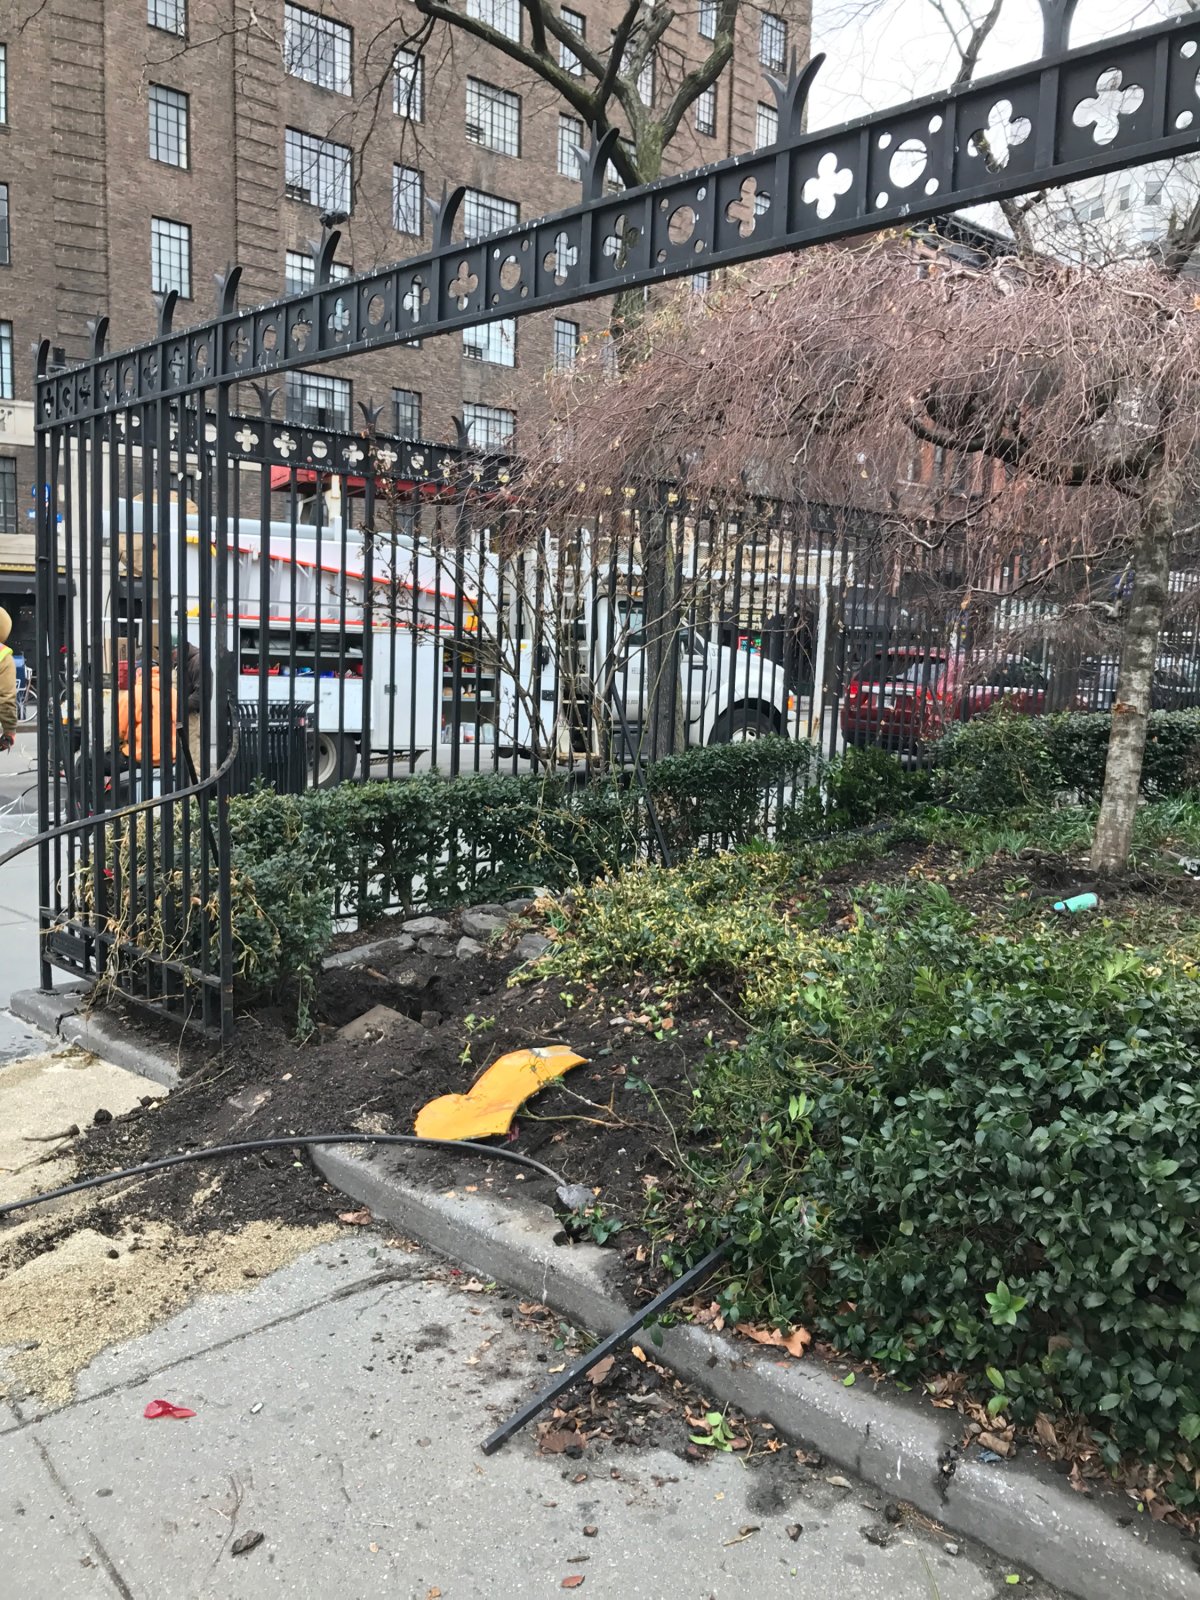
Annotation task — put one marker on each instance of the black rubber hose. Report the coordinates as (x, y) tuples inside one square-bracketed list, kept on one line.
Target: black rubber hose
[(214, 1152)]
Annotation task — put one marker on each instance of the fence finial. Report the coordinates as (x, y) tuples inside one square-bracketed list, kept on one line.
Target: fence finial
[(1056, 24), (791, 95), (371, 414), (444, 212), (227, 289), (42, 358), (594, 161), (98, 330), (266, 399), (324, 252), (166, 310)]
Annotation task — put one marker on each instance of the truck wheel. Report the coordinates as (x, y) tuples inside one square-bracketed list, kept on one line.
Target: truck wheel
[(334, 760), (742, 723)]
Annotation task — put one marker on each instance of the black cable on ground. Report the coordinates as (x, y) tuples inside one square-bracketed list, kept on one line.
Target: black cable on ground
[(245, 1147)]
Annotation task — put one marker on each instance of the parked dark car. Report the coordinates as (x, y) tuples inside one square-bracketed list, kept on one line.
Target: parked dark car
[(1174, 687), (905, 697)]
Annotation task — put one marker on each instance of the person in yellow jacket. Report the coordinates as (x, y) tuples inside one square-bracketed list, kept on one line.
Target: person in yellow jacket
[(8, 685)]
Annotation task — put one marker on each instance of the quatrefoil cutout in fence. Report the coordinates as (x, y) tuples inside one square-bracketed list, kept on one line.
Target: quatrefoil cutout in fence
[(618, 243), (464, 284), (999, 139), (561, 259), (750, 204), (830, 182), (417, 296), (1110, 104)]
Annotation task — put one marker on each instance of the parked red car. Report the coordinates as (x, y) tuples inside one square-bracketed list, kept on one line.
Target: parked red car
[(904, 697)]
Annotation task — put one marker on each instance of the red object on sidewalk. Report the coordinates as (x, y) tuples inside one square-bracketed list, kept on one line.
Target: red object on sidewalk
[(165, 1408)]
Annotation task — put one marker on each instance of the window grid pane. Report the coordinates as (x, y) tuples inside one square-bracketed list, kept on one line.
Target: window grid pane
[(489, 427), (408, 192), (407, 406), (766, 126), (169, 15), (645, 83), (5, 239), (494, 342), (6, 361), (314, 401), (316, 171), (503, 15), (168, 126), (300, 272), (706, 110), (772, 41), (3, 83), (487, 213), (567, 59), (8, 495), (408, 98), (493, 117), (706, 21), (566, 344), (170, 257), (570, 134), (316, 49)]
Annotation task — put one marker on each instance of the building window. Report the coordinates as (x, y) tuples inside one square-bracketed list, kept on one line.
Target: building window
[(1154, 192), (3, 83), (493, 342), (706, 19), (406, 407), (772, 41), (316, 49), (567, 59), (6, 366), (170, 257), (300, 272), (706, 111), (566, 344), (314, 401), (570, 139), (316, 171), (493, 117), (169, 15), (168, 126), (487, 213), (489, 427), (766, 125), (503, 15), (5, 236), (408, 196), (408, 94), (8, 495)]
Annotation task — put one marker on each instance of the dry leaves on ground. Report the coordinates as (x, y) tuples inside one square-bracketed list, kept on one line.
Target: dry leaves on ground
[(795, 1342)]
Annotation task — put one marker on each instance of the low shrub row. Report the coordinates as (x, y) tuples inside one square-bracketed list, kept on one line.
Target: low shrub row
[(945, 1144), (1005, 762)]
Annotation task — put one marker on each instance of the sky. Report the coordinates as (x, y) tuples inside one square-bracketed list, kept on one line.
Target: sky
[(883, 52)]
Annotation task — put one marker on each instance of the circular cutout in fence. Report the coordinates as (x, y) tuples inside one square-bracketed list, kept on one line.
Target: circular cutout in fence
[(881, 199), (1183, 120), (935, 124), (376, 309), (510, 273), (1187, 49), (931, 186), (682, 225), (908, 162), (270, 339), (885, 141)]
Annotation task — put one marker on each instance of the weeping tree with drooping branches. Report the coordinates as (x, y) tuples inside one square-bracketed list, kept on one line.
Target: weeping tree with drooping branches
[(1074, 393)]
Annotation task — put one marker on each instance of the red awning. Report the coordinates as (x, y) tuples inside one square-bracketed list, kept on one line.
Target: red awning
[(306, 478)]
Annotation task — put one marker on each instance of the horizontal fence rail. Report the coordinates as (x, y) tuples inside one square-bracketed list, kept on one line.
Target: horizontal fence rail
[(1075, 113)]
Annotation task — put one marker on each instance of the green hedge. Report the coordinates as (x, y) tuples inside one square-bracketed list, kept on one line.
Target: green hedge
[(361, 849), (949, 1150), (1006, 762)]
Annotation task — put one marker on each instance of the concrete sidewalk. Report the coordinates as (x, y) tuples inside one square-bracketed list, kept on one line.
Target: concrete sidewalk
[(340, 1404)]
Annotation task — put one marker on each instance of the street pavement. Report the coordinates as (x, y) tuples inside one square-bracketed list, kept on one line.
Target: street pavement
[(18, 893), (339, 1406)]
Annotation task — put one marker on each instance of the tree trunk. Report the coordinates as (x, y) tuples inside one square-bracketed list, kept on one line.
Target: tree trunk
[(662, 700), (1131, 708)]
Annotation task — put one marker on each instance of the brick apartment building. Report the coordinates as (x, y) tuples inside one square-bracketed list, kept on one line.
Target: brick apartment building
[(147, 143)]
